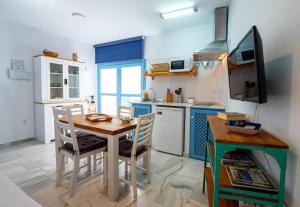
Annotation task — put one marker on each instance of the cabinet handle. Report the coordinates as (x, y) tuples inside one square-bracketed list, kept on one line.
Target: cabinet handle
[(66, 81)]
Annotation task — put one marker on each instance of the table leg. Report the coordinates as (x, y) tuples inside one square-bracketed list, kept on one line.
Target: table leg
[(113, 167), (205, 158)]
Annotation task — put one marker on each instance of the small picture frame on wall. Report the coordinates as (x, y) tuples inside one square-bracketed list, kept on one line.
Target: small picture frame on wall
[(17, 71), (17, 65)]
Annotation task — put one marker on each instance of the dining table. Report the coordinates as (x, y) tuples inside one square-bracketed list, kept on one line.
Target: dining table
[(112, 131)]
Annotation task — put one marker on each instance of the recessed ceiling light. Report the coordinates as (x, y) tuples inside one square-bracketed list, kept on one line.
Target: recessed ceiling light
[(179, 12), (78, 16)]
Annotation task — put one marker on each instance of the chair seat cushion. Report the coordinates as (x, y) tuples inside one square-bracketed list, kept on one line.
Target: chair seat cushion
[(123, 137), (80, 134), (86, 144), (125, 148)]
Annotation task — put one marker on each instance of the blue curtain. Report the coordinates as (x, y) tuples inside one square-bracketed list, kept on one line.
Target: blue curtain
[(121, 50)]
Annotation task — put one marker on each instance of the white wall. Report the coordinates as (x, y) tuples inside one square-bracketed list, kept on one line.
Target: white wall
[(209, 85), (16, 97), (279, 25)]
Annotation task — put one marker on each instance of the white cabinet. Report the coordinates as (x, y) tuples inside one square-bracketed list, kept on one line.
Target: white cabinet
[(58, 80), (44, 120)]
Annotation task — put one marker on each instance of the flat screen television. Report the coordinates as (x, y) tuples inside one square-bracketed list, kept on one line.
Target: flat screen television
[(246, 69)]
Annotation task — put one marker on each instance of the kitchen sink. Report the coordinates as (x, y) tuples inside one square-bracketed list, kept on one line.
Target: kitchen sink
[(205, 103)]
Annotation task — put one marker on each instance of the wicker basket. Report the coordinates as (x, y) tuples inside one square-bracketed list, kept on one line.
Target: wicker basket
[(50, 53), (160, 67)]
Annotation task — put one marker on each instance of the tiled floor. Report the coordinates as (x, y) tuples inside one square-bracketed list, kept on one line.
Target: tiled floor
[(175, 182)]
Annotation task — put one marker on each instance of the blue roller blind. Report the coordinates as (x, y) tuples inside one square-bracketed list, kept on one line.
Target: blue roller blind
[(121, 50)]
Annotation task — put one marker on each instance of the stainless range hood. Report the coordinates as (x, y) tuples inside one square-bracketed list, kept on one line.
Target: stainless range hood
[(217, 49)]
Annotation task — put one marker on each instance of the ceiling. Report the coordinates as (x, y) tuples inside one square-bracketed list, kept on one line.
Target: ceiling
[(106, 20)]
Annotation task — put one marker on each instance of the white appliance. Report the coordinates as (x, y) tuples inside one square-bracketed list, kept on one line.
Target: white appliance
[(169, 130), (181, 65)]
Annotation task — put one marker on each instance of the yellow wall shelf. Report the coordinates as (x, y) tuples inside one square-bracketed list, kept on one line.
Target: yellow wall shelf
[(193, 73)]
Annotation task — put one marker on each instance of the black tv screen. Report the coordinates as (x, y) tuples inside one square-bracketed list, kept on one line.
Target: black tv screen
[(246, 69)]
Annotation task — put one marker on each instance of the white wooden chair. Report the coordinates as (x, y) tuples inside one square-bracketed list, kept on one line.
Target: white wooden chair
[(125, 111), (77, 109), (140, 147), (74, 148)]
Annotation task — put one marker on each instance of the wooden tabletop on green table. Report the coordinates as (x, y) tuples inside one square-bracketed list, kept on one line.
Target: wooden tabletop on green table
[(222, 135)]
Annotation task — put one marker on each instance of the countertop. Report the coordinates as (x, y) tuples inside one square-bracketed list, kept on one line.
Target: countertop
[(186, 105)]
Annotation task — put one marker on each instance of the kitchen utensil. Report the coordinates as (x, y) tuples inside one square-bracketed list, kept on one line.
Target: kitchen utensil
[(178, 91), (179, 98)]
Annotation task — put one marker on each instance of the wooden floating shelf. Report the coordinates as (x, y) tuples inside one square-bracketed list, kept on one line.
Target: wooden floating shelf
[(193, 73)]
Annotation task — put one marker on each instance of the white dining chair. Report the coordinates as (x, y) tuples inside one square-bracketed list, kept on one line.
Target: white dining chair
[(125, 111), (75, 148), (77, 109), (140, 147)]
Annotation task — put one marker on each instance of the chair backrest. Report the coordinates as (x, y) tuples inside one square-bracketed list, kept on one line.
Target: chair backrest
[(76, 109), (125, 111), (143, 132), (61, 129)]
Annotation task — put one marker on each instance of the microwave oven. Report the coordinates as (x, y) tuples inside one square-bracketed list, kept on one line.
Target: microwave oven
[(181, 66)]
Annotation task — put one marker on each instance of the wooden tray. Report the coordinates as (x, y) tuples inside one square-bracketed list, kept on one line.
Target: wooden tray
[(98, 117), (230, 125)]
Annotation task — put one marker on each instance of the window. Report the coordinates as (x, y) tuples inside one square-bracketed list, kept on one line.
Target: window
[(119, 84)]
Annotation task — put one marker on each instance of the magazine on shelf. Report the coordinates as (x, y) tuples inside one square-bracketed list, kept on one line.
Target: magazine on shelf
[(249, 178), (239, 157)]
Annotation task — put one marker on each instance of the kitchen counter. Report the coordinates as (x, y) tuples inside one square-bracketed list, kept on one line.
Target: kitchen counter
[(186, 105), (190, 110)]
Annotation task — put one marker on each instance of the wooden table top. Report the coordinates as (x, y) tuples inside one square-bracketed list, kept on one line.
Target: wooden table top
[(113, 127), (222, 135)]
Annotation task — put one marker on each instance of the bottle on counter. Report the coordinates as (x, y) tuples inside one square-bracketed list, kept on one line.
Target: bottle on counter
[(145, 98), (169, 96)]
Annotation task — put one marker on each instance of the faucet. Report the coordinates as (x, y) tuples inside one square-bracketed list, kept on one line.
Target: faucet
[(153, 93)]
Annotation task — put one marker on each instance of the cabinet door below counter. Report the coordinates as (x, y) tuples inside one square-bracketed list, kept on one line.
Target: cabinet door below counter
[(198, 130), (141, 109)]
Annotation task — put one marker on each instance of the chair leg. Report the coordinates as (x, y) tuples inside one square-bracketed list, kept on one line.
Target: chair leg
[(149, 166), (89, 163), (105, 169), (61, 163), (126, 167), (95, 161), (133, 176), (75, 176)]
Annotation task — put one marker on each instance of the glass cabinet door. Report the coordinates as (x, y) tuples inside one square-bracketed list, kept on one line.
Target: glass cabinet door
[(73, 76), (56, 81)]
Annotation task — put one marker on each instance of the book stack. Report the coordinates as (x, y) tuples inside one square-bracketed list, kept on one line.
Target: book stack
[(239, 158), (249, 178), (231, 116)]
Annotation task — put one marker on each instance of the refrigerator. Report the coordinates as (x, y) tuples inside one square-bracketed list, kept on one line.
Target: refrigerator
[(168, 133)]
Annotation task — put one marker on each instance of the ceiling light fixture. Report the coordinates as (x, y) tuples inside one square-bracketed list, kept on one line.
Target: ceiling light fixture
[(78, 16), (179, 12)]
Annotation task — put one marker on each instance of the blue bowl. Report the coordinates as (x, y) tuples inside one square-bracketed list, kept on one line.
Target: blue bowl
[(243, 127)]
